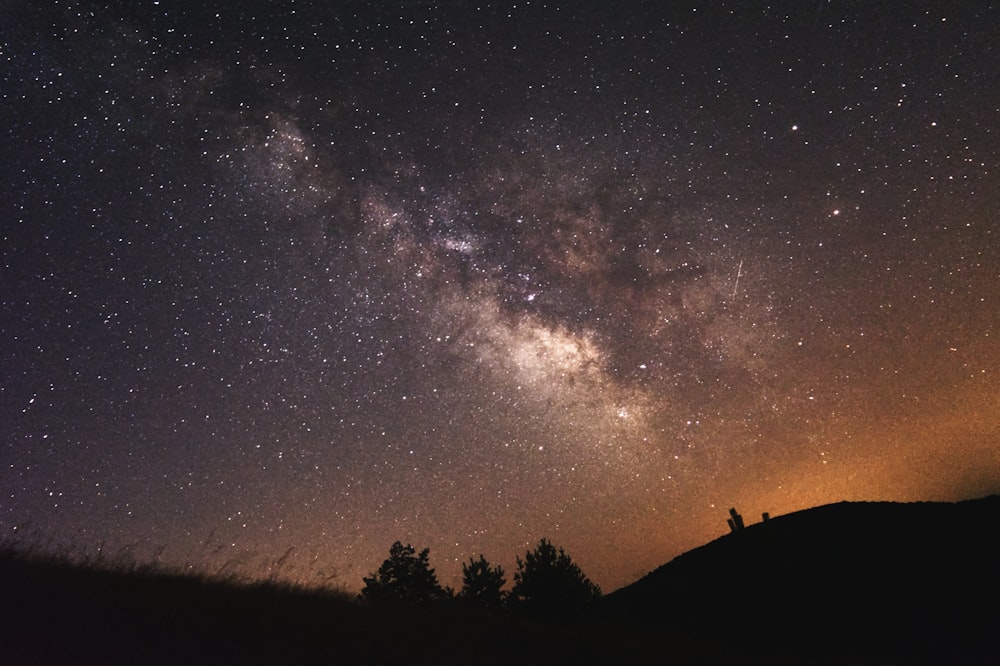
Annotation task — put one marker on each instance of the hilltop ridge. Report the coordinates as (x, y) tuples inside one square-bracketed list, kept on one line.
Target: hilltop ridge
[(846, 583), (918, 579)]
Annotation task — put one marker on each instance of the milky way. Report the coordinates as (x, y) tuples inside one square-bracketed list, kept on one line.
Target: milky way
[(282, 284)]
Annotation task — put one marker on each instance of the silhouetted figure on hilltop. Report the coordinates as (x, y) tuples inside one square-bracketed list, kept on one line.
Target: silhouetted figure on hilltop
[(735, 521)]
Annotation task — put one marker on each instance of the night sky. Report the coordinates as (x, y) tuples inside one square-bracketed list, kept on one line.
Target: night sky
[(282, 283)]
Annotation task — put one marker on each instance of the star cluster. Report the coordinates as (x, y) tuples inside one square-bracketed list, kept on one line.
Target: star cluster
[(285, 282)]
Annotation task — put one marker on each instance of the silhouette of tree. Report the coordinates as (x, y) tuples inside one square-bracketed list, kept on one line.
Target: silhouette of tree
[(405, 578), (482, 584), (547, 579)]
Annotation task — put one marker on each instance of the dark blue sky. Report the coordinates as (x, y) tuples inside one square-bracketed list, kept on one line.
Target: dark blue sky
[(326, 275)]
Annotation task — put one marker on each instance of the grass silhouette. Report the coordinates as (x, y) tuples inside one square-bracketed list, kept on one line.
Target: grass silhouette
[(877, 583), (56, 610)]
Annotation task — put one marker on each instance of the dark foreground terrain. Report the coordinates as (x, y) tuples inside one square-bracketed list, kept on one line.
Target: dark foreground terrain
[(58, 614), (854, 583), (849, 583)]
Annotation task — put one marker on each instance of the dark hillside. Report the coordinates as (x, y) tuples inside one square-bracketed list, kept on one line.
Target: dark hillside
[(858, 581), (54, 612), (849, 583)]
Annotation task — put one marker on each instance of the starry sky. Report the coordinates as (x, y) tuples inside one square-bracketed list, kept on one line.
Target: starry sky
[(284, 282)]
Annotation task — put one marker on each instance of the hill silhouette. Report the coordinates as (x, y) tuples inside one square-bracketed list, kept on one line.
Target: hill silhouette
[(848, 583), (53, 611), (861, 582)]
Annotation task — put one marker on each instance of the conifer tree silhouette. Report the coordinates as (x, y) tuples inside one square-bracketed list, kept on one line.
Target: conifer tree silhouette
[(404, 579), (482, 584), (547, 579)]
